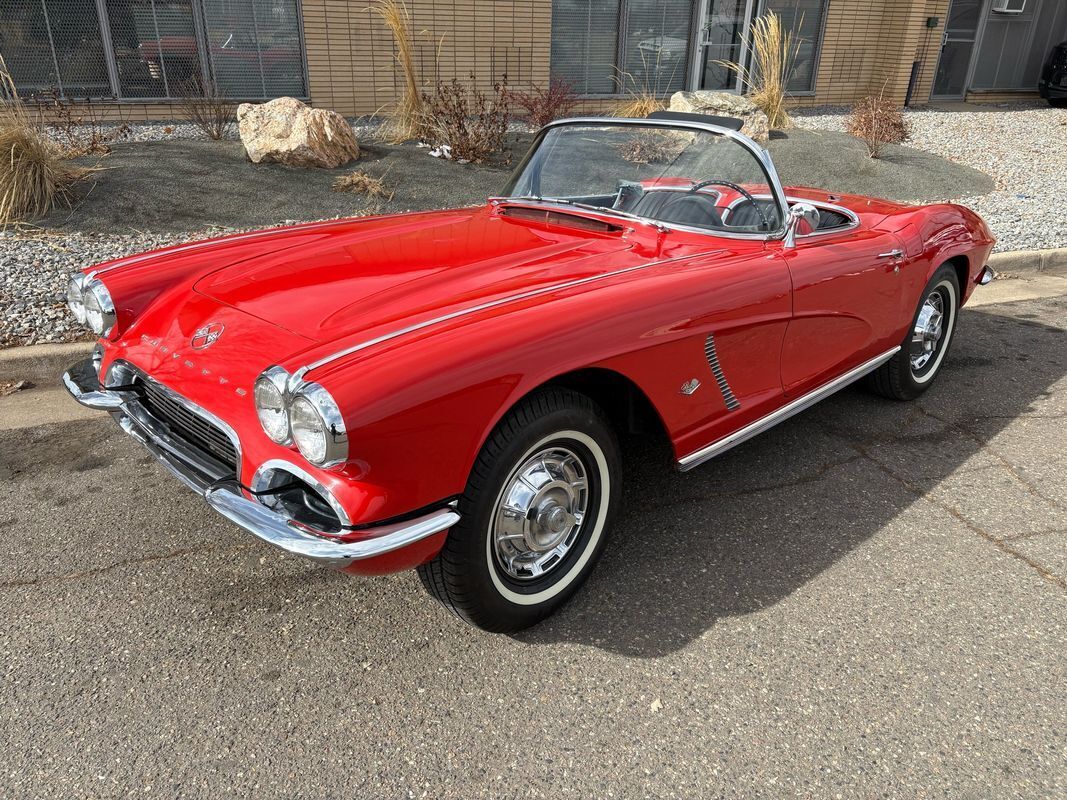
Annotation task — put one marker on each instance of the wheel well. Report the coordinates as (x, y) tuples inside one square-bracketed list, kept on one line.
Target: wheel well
[(626, 405), (959, 263)]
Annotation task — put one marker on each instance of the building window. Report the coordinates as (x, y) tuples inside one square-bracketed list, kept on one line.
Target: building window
[(154, 49), (621, 46), (54, 44), (805, 18)]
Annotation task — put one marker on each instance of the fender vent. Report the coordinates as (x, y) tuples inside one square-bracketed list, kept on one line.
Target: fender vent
[(716, 370)]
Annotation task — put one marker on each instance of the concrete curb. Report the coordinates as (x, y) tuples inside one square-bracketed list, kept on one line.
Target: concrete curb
[(41, 363), (1031, 262)]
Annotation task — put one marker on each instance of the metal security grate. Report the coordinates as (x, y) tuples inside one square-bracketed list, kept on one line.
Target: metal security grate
[(154, 49), (185, 423)]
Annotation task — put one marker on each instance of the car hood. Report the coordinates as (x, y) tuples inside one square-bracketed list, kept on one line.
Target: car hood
[(351, 278)]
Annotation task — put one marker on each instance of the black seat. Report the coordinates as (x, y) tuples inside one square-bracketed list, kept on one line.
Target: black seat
[(681, 208)]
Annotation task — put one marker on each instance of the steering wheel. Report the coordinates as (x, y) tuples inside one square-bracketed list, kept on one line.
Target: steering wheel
[(696, 187)]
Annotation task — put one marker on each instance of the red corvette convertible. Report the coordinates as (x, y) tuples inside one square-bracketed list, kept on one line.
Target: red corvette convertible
[(445, 391)]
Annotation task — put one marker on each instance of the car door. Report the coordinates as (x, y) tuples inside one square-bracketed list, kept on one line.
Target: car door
[(847, 304)]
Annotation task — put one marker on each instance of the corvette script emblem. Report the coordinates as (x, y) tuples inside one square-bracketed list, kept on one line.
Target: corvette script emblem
[(207, 335)]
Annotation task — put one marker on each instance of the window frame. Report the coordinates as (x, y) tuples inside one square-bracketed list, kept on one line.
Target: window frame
[(201, 36), (816, 57), (692, 46)]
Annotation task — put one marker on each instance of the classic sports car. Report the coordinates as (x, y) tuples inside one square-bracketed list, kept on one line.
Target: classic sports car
[(446, 391)]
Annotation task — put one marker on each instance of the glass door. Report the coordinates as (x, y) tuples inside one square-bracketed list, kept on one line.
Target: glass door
[(723, 36), (957, 45)]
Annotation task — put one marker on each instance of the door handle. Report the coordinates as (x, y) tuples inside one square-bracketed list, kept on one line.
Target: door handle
[(892, 254)]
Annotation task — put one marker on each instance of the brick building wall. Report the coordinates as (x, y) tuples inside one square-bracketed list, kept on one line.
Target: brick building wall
[(351, 56), (867, 46)]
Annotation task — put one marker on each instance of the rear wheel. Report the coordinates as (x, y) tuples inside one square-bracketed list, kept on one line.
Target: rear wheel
[(912, 370), (534, 515)]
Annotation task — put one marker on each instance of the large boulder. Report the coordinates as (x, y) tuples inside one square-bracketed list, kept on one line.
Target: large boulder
[(724, 104), (287, 131)]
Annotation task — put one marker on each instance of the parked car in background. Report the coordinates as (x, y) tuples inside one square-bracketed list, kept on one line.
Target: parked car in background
[(448, 391), (1053, 83)]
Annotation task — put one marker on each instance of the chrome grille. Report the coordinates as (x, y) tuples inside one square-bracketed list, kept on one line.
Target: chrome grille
[(185, 423)]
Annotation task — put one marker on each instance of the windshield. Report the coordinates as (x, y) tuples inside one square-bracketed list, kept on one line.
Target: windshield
[(679, 176)]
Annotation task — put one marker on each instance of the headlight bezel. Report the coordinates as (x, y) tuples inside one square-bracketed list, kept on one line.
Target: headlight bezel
[(278, 380), (319, 406), (95, 290), (332, 426), (76, 297)]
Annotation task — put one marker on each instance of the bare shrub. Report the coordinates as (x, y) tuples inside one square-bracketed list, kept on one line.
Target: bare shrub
[(359, 182), (774, 54), (472, 123), (878, 122), (204, 106), (77, 130), (542, 105), (407, 118), (34, 175), (653, 147)]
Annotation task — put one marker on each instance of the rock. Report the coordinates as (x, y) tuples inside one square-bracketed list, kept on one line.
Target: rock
[(724, 104), (288, 132)]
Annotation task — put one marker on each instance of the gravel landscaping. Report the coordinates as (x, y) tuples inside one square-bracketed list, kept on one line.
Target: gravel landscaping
[(1019, 145), (165, 184)]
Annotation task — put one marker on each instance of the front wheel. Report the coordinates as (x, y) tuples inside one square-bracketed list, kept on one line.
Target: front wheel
[(912, 370), (534, 515)]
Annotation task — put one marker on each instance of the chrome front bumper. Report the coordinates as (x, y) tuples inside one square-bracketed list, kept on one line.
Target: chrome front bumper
[(227, 497)]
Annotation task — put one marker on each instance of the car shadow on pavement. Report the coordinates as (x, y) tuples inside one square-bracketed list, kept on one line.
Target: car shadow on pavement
[(757, 524)]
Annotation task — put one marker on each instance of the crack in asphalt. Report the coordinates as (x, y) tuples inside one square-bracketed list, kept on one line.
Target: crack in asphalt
[(1000, 544), (89, 573), (986, 447)]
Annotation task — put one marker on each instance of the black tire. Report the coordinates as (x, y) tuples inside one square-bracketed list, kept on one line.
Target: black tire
[(898, 378), (1058, 102), (469, 577)]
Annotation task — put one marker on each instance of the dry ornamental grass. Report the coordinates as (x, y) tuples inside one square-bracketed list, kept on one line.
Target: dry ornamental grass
[(406, 121), (774, 54), (34, 174)]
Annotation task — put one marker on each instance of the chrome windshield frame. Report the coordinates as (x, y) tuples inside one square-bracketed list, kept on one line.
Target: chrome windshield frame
[(763, 158)]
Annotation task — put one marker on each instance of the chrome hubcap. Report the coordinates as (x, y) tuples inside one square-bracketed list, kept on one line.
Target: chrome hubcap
[(540, 513), (927, 334)]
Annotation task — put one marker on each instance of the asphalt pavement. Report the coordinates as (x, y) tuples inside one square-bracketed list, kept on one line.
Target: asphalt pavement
[(867, 601)]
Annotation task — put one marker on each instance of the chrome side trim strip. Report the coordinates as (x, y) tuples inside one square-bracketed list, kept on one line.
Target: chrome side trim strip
[(785, 412), (720, 377), (418, 326)]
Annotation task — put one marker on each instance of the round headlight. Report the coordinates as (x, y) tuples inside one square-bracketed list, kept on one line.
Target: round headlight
[(75, 301), (271, 404), (317, 426), (99, 310)]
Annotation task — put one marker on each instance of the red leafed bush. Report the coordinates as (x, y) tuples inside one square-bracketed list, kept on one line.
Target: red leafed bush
[(878, 122), (542, 105)]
